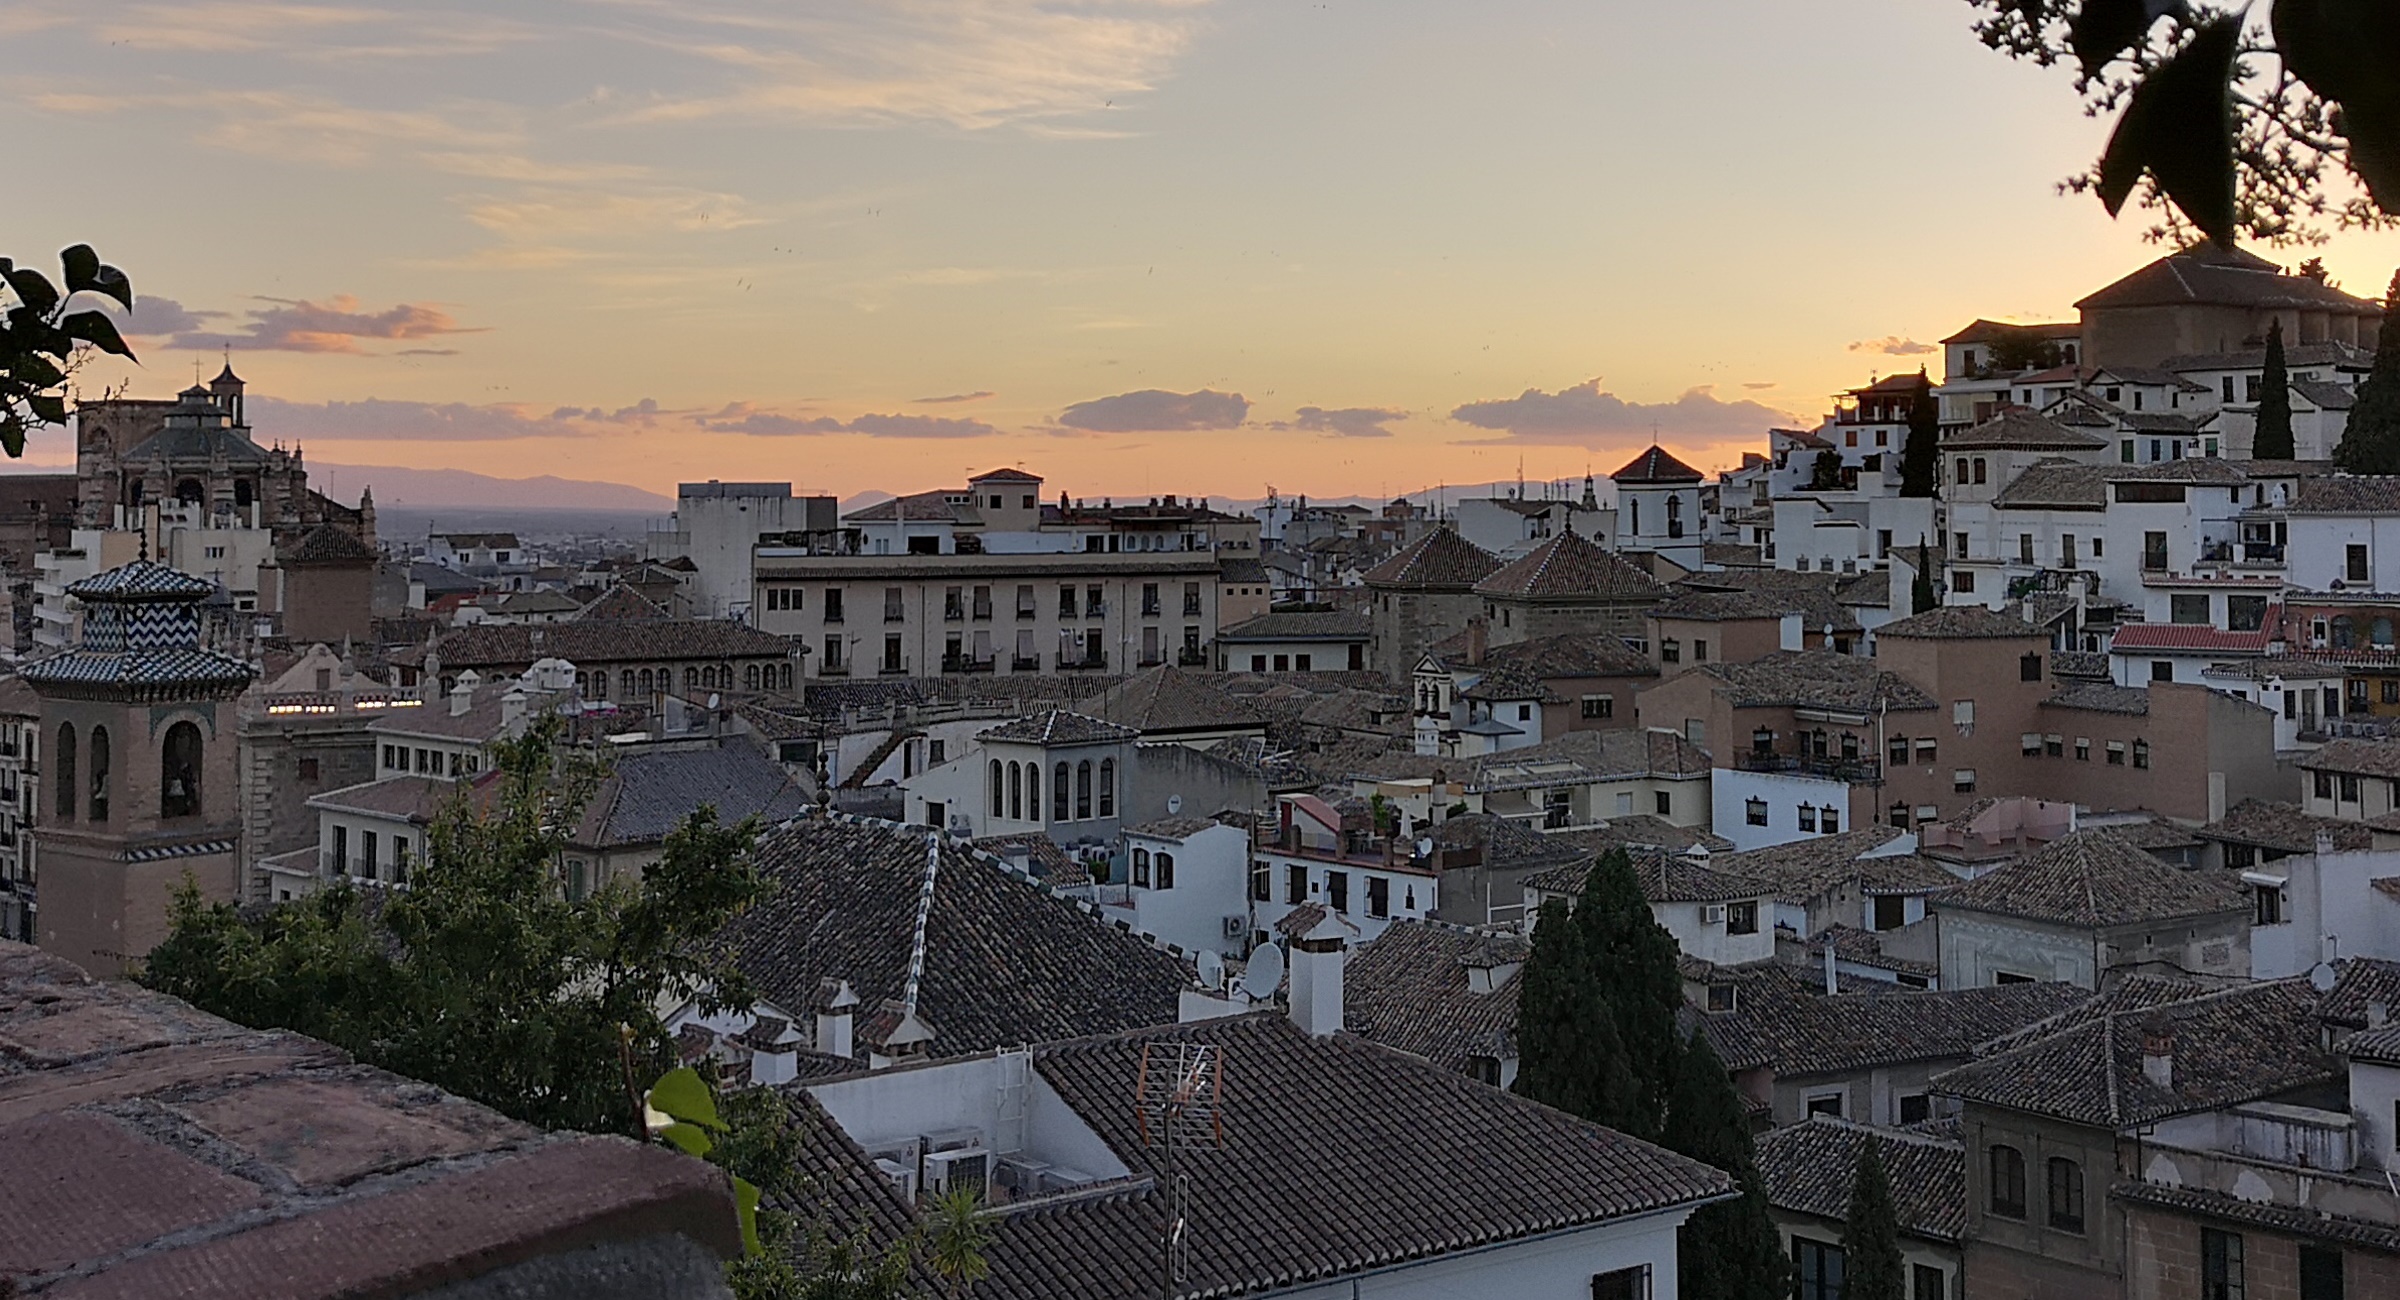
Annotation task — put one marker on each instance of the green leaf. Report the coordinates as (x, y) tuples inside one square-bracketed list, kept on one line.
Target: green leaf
[(690, 1139), (82, 266), (36, 371), (745, 1202), (47, 408), (115, 284), (2179, 128), (98, 330), (35, 289), (12, 434), (2103, 29), (2346, 50), (684, 1094)]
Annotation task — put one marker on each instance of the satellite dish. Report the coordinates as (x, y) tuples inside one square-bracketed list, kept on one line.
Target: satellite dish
[(1212, 968), (714, 700), (1264, 975), (2321, 977), (1174, 803)]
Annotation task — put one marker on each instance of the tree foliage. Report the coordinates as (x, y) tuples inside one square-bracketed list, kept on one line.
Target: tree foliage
[(1729, 1250), (483, 977), (1921, 455), (2273, 440), (1872, 1267), (42, 341), (2277, 130), (2371, 440), (1596, 1006), (1825, 472), (2016, 348)]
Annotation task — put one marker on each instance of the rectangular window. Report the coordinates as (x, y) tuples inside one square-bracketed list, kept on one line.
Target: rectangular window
[(1916, 1108), (2320, 1273), (894, 610), (1295, 884), (2245, 613), (1379, 896), (2116, 753), (1755, 812), (2189, 608), (1699, 650), (1337, 891), (1963, 581), (2065, 1195), (2221, 1265), (1664, 803), (833, 604), (1925, 750), (2024, 548), (2349, 788), (1820, 1268), (1621, 1284), (2054, 745), (2031, 744), (2162, 670), (1599, 706), (1962, 713), (2083, 749), (2154, 551), (1963, 780), (1891, 911), (1829, 1103), (1742, 917), (1807, 815), (1262, 886), (2354, 562)]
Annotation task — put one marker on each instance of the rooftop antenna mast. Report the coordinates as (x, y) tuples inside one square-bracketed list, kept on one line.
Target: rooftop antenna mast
[(1177, 1104)]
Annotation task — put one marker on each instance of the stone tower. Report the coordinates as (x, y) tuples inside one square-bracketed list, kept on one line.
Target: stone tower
[(139, 731)]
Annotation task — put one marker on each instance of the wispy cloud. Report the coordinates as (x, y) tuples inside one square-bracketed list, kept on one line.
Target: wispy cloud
[(1587, 414), (741, 417), (948, 398), (156, 317), (1892, 345), (335, 325), (376, 418), (1345, 422), (1155, 410)]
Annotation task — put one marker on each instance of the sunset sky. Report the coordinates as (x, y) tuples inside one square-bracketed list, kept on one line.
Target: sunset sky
[(1139, 246)]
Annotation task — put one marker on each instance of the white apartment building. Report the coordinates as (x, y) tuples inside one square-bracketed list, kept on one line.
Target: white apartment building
[(716, 525), (1510, 526)]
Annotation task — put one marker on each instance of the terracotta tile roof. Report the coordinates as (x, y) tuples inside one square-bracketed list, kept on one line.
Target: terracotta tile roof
[(1989, 331), (2132, 993), (2101, 697), (2285, 827), (619, 604), (1505, 682), (1864, 948), (1641, 829), (417, 799), (330, 544), (2308, 1224), (1040, 856), (1573, 655), (2197, 637), (1656, 465), (2347, 494), (1410, 989), (1583, 756), (1508, 845), (1059, 727), (2356, 758), (2056, 485), (1167, 699), (2358, 982), (2095, 879), (1682, 878), (1808, 1168), (1571, 566), (2210, 276), (1806, 869), (1441, 559), (1787, 1024), (1960, 623), (2325, 396), (1299, 625), (2018, 429), (1005, 961), (590, 642), (647, 795), (1823, 679), (2228, 1047)]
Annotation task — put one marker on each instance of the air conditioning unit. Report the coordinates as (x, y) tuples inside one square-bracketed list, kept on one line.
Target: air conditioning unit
[(1018, 1176), (1062, 1178), (1236, 926), (902, 1177), (1712, 914), (948, 1171)]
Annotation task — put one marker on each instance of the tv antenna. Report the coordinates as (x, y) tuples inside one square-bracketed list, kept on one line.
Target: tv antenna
[(1178, 1099)]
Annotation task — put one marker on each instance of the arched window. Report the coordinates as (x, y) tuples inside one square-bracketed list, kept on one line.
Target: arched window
[(2008, 1182), (626, 683), (691, 679), (244, 492), (1141, 867), (999, 796), (749, 677), (1108, 787), (63, 762), (1165, 863), (2066, 1194), (179, 772), (99, 802), (2344, 631), (1058, 793), (1083, 790), (2379, 632), (649, 682), (189, 491), (1016, 792), (1033, 790), (600, 685), (787, 677)]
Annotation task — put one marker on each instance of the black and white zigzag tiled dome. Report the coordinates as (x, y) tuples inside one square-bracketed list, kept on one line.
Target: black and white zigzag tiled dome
[(141, 631), (142, 581)]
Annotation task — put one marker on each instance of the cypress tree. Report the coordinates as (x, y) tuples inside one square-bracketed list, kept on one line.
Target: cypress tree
[(2273, 441), (1920, 457), (1568, 1053), (2371, 441), (1729, 1250), (1871, 1262), (1633, 960), (1921, 593)]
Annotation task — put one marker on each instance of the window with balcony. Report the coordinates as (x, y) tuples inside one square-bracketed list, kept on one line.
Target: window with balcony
[(982, 604), (1149, 600), (2154, 552), (1066, 602), (894, 606), (954, 604)]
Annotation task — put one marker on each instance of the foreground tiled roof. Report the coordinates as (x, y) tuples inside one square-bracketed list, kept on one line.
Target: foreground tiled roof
[(2359, 983), (1341, 1156), (1641, 829), (1803, 870), (2131, 993), (1823, 679), (1059, 727), (1682, 878), (1409, 989), (2285, 827), (1005, 961), (2096, 879), (154, 1150), (1788, 1025), (1441, 559), (2228, 1047), (1960, 623), (1571, 566), (1809, 1168)]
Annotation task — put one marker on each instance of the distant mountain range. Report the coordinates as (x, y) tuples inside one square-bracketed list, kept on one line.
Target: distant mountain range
[(398, 486)]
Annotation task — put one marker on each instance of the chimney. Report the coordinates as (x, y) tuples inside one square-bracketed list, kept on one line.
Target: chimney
[(836, 1002), (2158, 1059), (462, 696), (2324, 843), (512, 711), (1478, 640), (1833, 979), (2379, 1013), (1317, 980)]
